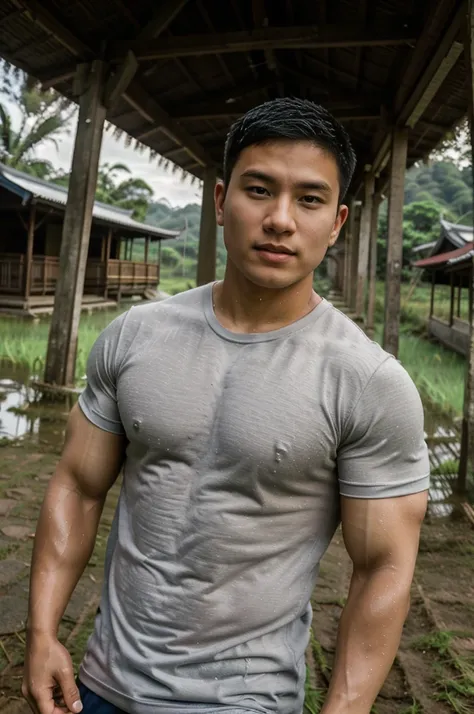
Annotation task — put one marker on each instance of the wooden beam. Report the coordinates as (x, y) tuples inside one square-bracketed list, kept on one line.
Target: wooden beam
[(466, 461), (162, 18), (119, 81), (416, 81), (364, 245), (351, 108), (62, 344), (206, 267), (419, 74), (56, 76), (49, 22), (144, 103), (270, 38), (395, 240), (430, 84)]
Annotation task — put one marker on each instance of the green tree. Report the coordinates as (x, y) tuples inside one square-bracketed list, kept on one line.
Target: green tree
[(131, 193), (43, 118), (420, 225)]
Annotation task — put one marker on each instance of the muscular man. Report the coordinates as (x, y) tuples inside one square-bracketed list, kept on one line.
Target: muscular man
[(249, 417)]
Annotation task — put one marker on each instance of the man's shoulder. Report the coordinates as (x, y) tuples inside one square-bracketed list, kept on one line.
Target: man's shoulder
[(189, 303), (346, 344)]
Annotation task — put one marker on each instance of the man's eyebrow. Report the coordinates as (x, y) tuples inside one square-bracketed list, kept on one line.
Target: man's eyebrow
[(266, 178)]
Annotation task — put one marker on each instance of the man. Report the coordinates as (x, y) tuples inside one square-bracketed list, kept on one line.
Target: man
[(249, 417)]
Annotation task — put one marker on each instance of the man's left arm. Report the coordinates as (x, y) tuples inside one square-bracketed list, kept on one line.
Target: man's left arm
[(381, 537), (383, 472)]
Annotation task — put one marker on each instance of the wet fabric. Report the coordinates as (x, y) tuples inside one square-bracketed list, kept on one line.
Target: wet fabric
[(239, 448)]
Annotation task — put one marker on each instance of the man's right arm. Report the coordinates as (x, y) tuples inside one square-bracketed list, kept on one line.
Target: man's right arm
[(65, 537)]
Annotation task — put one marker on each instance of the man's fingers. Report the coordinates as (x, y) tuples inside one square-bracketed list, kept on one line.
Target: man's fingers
[(69, 690)]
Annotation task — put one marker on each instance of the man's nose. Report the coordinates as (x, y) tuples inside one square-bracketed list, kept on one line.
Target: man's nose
[(280, 217)]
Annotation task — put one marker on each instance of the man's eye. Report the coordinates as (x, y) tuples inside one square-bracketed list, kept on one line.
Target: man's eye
[(257, 190), (311, 200)]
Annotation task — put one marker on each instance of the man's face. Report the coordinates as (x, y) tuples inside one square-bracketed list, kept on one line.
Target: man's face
[(280, 212)]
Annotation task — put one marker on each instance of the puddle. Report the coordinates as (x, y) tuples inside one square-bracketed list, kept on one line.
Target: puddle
[(21, 413)]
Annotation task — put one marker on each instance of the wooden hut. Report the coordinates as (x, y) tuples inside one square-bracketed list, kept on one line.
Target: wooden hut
[(31, 223), (451, 267)]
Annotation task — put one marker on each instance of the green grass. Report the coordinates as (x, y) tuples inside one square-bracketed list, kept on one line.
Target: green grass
[(438, 372), (24, 343), (458, 690)]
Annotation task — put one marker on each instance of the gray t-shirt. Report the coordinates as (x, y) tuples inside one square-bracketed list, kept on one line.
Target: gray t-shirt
[(239, 447)]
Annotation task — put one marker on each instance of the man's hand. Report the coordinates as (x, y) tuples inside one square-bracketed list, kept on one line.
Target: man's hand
[(48, 682)]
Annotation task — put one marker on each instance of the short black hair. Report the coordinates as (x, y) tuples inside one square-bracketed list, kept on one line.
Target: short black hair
[(291, 118)]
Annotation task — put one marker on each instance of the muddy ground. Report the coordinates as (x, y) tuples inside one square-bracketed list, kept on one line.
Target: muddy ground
[(434, 669)]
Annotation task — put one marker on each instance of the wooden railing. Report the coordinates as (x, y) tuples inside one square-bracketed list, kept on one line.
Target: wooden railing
[(44, 274), (122, 275), (11, 272), (127, 275)]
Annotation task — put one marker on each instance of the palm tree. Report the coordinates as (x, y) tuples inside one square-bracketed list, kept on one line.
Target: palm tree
[(44, 116)]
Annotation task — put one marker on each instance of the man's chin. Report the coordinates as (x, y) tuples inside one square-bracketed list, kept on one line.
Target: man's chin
[(272, 279)]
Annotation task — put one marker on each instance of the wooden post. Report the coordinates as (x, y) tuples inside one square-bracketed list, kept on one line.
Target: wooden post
[(147, 251), (395, 240), (466, 461), (355, 255), (364, 246), (459, 296), (451, 306), (106, 261), (350, 244), (206, 268), (374, 229), (29, 250), (62, 345), (433, 288)]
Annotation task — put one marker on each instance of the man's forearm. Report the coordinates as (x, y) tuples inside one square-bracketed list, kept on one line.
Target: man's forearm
[(368, 639), (64, 541)]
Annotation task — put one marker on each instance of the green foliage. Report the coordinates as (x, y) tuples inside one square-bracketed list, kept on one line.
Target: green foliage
[(441, 189), (44, 116)]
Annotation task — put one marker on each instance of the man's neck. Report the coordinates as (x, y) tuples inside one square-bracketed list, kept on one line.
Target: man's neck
[(243, 307)]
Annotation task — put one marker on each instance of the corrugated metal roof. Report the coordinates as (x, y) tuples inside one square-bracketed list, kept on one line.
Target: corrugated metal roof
[(29, 186), (445, 258)]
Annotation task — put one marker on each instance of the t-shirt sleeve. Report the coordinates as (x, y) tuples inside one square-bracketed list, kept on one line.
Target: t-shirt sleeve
[(99, 399), (383, 452)]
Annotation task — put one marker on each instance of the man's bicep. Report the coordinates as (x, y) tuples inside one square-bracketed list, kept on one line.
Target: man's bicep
[(383, 532), (91, 458)]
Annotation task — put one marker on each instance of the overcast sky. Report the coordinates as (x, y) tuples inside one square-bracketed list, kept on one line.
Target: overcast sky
[(164, 183)]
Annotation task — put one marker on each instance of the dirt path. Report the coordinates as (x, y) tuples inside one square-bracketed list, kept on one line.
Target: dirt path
[(434, 670)]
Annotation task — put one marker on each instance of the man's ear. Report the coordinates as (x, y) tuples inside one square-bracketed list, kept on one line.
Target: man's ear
[(219, 199), (341, 218)]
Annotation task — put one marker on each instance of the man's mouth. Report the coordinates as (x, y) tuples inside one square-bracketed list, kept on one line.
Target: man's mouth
[(275, 248)]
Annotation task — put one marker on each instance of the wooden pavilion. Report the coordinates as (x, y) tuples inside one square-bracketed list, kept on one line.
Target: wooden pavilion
[(31, 218), (450, 265), (174, 75)]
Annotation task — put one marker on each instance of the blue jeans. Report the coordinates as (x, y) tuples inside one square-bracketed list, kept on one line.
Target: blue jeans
[(93, 704)]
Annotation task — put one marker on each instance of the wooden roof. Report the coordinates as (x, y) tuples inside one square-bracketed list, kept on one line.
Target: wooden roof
[(200, 64)]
